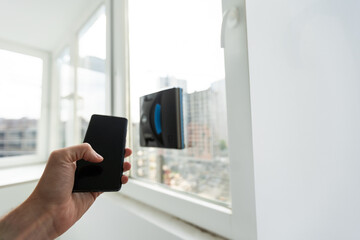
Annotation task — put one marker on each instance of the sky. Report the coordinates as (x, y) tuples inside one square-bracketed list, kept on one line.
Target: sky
[(20, 85), (179, 39), (92, 38)]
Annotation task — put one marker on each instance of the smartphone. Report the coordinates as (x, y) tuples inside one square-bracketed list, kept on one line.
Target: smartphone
[(107, 136)]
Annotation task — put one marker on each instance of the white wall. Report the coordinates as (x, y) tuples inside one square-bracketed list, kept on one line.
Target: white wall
[(14, 195), (304, 61), (109, 219), (114, 216)]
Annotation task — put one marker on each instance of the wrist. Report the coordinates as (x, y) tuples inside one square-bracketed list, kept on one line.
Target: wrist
[(31, 220)]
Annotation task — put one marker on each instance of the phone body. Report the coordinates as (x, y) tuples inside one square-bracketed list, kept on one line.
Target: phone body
[(107, 136)]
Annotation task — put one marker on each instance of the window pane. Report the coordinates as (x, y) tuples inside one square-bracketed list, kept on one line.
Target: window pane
[(66, 80), (20, 103), (91, 84), (170, 50)]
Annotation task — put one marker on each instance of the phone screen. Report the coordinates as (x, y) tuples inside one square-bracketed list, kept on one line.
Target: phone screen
[(107, 136)]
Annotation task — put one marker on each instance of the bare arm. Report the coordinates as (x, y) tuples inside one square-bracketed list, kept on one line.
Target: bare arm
[(52, 208)]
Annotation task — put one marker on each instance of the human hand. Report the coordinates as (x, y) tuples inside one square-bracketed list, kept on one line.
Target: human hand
[(54, 206)]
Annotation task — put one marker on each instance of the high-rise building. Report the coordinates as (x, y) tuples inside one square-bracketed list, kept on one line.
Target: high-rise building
[(207, 127), (199, 126)]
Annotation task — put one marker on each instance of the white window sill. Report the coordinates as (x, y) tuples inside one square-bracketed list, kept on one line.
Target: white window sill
[(201, 213), (20, 174), (161, 219)]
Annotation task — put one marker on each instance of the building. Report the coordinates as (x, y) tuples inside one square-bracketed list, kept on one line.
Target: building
[(17, 136)]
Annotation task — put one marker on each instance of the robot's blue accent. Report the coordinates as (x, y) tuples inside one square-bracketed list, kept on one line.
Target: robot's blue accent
[(157, 119)]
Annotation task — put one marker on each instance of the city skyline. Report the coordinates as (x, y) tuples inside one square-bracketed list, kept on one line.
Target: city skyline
[(202, 167)]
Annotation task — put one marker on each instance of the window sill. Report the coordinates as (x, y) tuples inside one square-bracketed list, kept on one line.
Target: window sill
[(20, 161), (16, 175), (201, 213), (160, 219)]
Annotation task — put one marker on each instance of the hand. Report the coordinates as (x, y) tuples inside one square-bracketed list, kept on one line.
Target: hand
[(54, 206)]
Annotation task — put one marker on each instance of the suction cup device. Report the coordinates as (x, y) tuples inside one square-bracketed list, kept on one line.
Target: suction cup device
[(161, 119)]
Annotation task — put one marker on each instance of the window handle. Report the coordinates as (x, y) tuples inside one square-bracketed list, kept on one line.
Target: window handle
[(230, 20)]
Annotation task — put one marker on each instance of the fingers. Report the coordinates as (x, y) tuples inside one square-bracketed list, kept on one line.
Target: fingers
[(83, 151), (126, 166), (124, 179), (128, 152)]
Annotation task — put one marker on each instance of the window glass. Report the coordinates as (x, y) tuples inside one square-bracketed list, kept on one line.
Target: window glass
[(66, 80), (91, 81), (20, 103), (179, 46)]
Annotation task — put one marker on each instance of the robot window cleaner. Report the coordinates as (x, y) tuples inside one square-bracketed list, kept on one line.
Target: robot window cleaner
[(161, 119)]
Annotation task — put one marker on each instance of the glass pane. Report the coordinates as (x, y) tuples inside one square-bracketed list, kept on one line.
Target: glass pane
[(20, 103), (177, 44), (91, 84), (66, 80)]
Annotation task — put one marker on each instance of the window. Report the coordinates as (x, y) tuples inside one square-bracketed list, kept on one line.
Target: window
[(20, 103), (83, 91), (157, 44), (67, 87), (91, 76), (170, 50)]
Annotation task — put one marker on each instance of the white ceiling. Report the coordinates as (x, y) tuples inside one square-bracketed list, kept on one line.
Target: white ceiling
[(39, 24)]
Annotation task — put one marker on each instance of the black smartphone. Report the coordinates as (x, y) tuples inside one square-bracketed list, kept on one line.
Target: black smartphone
[(107, 136)]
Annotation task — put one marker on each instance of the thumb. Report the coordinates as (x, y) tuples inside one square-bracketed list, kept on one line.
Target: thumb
[(84, 151)]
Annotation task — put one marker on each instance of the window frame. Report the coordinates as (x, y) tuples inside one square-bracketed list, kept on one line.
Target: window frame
[(89, 21), (72, 40), (239, 222), (57, 94), (43, 124)]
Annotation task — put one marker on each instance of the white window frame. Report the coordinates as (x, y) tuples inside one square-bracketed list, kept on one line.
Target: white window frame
[(71, 42), (239, 222), (42, 147), (89, 21)]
